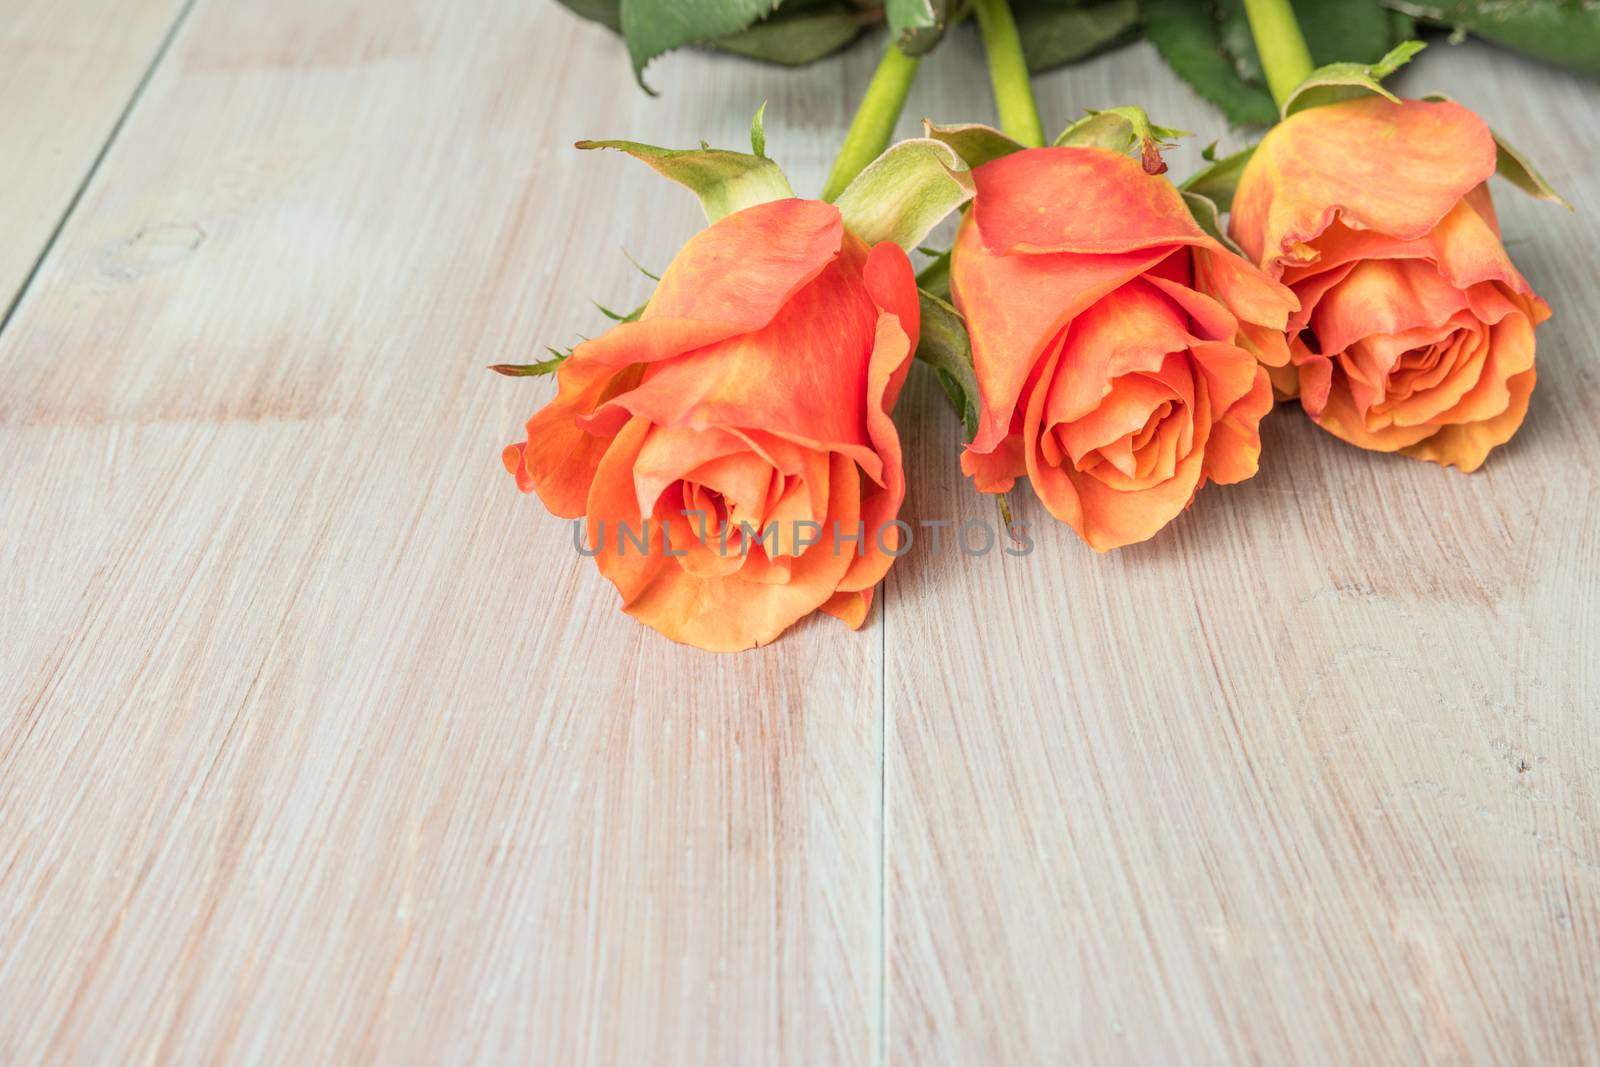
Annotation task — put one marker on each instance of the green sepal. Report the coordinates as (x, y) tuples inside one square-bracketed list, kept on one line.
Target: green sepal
[(724, 181), (1122, 130), (1347, 81), (945, 347), (559, 356), (758, 131), (1513, 166), (935, 275), (1218, 181), (907, 191), (641, 268), (533, 370), (918, 25), (975, 143), (1206, 215)]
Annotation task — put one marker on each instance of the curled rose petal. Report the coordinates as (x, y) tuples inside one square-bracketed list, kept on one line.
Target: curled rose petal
[(732, 451), (1119, 350), (1415, 330)]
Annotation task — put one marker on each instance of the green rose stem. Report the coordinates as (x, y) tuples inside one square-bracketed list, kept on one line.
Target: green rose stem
[(1282, 46), (1008, 73), (873, 127)]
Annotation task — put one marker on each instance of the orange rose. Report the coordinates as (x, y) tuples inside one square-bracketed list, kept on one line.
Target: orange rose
[(718, 444), (1415, 332), (1115, 344)]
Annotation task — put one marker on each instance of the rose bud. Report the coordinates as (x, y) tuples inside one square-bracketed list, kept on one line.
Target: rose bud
[(1115, 344), (732, 449), (1415, 332)]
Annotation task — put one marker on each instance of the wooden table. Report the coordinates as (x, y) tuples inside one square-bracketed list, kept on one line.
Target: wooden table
[(318, 743)]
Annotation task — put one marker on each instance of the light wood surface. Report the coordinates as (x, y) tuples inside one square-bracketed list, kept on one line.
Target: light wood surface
[(69, 71), (318, 744)]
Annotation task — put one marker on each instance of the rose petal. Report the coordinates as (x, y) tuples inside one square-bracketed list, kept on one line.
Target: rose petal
[(1234, 451), (1129, 330), (802, 377), (1017, 305), (894, 289), (560, 456), (1084, 200), (670, 454), (1467, 445), (1383, 296), (733, 613), (850, 608), (1393, 168), (997, 471), (1464, 247), (1509, 354)]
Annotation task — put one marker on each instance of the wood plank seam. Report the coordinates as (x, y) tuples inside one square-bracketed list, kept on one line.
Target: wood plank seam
[(94, 166)]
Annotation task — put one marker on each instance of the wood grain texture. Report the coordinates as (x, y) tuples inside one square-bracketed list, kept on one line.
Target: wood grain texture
[(68, 71), (319, 744), (1310, 777)]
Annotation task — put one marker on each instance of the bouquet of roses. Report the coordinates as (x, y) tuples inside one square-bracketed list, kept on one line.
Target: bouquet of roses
[(729, 446)]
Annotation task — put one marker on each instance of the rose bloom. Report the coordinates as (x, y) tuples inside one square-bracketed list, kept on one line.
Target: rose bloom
[(754, 393), (1415, 332), (1116, 345)]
